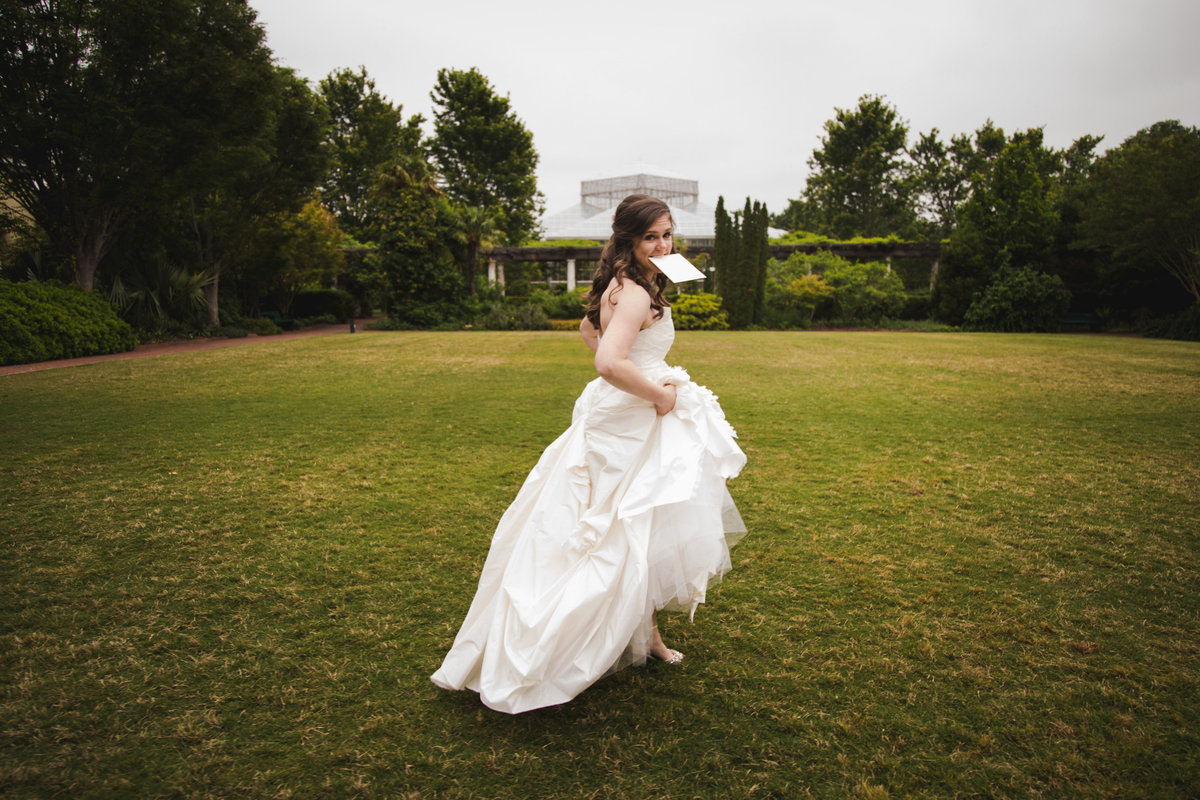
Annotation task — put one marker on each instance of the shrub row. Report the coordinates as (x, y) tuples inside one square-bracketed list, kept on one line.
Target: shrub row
[(1184, 326), (334, 303), (42, 321)]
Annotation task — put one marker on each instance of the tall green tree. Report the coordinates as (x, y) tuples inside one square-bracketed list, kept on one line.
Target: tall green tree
[(1143, 203), (741, 254), (484, 152), (106, 105), (942, 174), (239, 189), (366, 135), (859, 180), (1009, 221), (800, 215), (415, 228), (756, 253)]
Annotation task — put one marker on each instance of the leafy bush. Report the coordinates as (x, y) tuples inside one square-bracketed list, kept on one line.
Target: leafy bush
[(322, 319), (794, 290), (1184, 326), (425, 316), (321, 302), (259, 326), (698, 312), (160, 299), (232, 332), (917, 306), (50, 320), (561, 305), (1022, 300), (531, 317), (528, 317), (865, 292)]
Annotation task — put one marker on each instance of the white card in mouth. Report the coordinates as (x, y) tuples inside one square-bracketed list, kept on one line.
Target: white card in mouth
[(677, 268)]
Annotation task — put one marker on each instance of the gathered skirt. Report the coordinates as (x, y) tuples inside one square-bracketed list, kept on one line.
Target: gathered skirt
[(625, 514)]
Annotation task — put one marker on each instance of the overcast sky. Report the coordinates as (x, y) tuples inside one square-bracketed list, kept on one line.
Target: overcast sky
[(735, 94)]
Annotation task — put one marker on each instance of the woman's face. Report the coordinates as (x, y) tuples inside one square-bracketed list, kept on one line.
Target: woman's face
[(654, 242)]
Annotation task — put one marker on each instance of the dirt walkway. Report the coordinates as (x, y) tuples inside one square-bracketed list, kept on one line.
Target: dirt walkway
[(180, 346)]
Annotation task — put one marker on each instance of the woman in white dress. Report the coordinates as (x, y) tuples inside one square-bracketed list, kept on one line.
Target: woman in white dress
[(625, 514)]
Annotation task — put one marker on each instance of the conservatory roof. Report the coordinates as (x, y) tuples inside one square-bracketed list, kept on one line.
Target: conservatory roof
[(583, 221), (592, 217)]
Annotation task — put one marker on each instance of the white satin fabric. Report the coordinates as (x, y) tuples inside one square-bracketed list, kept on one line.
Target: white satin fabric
[(625, 513)]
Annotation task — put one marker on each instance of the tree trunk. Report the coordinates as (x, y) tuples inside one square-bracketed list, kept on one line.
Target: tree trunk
[(211, 293), (92, 240), (86, 262), (472, 257)]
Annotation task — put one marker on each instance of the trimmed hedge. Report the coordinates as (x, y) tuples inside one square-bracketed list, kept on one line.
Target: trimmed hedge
[(43, 321)]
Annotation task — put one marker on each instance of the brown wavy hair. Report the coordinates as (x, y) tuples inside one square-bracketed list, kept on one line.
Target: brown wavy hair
[(633, 218)]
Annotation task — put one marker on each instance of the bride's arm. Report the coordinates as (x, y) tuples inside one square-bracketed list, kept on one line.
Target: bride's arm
[(612, 353), (590, 336)]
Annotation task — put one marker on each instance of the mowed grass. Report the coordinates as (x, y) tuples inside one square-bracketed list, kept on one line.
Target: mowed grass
[(972, 571)]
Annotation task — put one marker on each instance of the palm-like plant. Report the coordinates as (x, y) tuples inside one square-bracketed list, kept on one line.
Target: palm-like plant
[(477, 228), (149, 298)]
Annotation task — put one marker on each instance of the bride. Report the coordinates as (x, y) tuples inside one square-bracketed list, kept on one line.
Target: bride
[(624, 515)]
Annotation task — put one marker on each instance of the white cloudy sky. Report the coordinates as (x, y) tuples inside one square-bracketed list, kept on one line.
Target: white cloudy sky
[(734, 94)]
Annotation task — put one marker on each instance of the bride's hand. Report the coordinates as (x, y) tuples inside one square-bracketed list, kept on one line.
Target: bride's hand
[(667, 403)]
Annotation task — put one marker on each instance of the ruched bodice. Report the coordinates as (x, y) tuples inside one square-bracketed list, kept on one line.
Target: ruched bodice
[(653, 343), (626, 513)]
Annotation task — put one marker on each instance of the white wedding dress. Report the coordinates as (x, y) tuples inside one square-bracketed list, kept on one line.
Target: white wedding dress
[(625, 513)]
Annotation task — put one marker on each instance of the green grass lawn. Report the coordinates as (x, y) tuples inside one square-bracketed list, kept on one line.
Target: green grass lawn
[(973, 570)]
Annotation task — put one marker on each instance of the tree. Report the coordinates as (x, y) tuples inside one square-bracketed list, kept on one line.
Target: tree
[(366, 134), (1010, 220), (415, 226), (800, 215), (724, 248), (236, 189), (309, 250), (484, 153), (755, 253), (740, 251), (942, 175), (108, 104), (859, 182), (1144, 202)]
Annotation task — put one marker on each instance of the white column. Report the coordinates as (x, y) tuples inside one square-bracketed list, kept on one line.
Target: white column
[(570, 274), (491, 270)]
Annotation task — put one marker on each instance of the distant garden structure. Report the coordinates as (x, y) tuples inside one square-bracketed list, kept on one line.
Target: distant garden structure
[(695, 224)]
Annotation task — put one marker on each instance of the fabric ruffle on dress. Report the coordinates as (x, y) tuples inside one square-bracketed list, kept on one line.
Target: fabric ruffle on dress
[(626, 513)]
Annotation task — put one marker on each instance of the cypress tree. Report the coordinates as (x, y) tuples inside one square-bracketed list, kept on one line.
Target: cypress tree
[(740, 252), (761, 253), (721, 247)]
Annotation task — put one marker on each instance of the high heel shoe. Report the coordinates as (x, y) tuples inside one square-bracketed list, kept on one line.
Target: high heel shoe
[(673, 657)]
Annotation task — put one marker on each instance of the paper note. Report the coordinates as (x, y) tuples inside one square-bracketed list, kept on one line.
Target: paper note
[(677, 268)]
